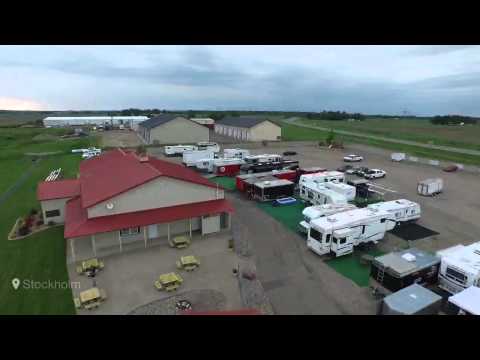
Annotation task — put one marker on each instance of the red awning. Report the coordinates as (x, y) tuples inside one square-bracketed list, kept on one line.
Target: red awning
[(77, 224)]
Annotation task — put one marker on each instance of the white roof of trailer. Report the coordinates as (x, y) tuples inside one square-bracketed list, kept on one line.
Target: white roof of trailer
[(463, 257), (393, 205), (468, 300), (348, 218), (319, 210), (273, 183)]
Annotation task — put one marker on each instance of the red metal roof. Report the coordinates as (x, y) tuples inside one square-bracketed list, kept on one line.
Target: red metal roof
[(118, 171), (224, 312), (77, 224), (59, 189)]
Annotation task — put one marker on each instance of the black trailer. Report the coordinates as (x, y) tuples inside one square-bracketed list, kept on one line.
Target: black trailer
[(269, 166), (272, 190), (397, 270)]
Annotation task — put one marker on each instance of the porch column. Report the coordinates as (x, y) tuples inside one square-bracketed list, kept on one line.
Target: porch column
[(168, 231), (145, 235), (190, 225), (94, 247), (120, 241), (229, 220), (72, 248)]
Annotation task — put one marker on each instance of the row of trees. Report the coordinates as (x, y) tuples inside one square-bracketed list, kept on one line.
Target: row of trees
[(335, 115), (452, 120)]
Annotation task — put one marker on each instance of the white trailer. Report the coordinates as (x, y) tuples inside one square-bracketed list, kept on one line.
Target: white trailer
[(467, 301), (323, 177), (315, 212), (263, 158), (340, 233), (190, 158), (175, 150), (318, 193), (430, 187), (459, 268), (402, 210), (235, 153), (398, 156), (206, 145)]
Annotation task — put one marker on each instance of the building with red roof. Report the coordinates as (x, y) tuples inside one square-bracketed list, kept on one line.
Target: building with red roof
[(121, 198)]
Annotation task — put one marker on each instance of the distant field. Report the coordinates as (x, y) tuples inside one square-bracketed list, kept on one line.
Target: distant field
[(293, 133), (423, 131), (8, 118), (40, 257)]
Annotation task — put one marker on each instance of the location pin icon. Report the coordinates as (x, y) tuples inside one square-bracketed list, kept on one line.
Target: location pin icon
[(16, 283)]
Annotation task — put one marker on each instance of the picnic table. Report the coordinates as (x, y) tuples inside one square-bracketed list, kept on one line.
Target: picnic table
[(180, 242), (90, 264), (90, 298), (188, 263), (169, 282)]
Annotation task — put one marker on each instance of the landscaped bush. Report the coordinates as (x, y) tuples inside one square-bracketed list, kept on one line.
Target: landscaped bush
[(28, 221), (39, 222)]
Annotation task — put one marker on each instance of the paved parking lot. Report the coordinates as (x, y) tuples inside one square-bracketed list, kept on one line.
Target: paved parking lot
[(128, 277)]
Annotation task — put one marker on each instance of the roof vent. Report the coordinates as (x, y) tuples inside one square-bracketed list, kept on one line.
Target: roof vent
[(109, 206), (266, 183)]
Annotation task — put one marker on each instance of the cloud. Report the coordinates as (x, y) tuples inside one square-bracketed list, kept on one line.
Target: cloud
[(11, 103), (439, 49)]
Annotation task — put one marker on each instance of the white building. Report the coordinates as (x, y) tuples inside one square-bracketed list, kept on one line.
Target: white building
[(248, 128), (62, 121)]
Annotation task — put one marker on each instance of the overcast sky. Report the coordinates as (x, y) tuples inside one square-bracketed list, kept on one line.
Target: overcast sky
[(423, 80)]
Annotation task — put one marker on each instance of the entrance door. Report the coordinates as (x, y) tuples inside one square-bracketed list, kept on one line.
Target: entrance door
[(152, 231)]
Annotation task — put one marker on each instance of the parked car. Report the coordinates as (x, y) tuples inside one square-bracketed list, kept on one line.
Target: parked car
[(345, 168), (352, 158), (289, 153), (375, 174)]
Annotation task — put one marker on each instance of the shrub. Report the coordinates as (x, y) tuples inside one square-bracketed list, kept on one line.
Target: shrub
[(39, 222), (330, 137), (33, 211), (321, 143), (264, 142)]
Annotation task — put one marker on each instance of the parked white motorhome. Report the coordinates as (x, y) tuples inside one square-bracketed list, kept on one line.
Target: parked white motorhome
[(206, 145), (315, 212), (460, 267), (174, 150), (207, 165), (398, 156), (323, 177), (318, 193), (190, 158), (401, 210), (235, 153), (339, 233), (430, 187)]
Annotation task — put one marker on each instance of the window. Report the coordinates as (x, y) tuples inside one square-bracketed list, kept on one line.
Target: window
[(341, 180), (310, 195), (363, 229), (130, 231), (398, 214), (335, 240), (52, 213), (383, 220), (456, 275), (343, 240), (317, 235), (413, 211), (328, 238)]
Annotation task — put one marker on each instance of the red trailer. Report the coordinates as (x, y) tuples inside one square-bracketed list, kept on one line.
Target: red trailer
[(308, 170), (227, 168), (290, 175)]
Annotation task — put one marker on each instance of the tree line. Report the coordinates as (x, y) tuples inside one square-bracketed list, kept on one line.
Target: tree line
[(335, 115), (452, 120)]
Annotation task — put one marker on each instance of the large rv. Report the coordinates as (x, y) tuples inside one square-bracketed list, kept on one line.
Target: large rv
[(402, 210), (339, 233), (209, 165), (205, 145), (319, 193), (315, 212), (190, 158), (235, 153), (322, 177), (459, 268), (178, 150)]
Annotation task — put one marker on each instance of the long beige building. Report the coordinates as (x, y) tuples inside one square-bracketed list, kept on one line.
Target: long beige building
[(248, 128), (172, 129), (122, 199)]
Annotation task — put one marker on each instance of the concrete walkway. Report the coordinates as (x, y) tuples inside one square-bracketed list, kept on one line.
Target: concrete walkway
[(292, 121)]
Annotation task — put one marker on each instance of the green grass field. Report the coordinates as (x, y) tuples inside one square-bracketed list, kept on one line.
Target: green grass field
[(297, 133), (226, 182), (40, 257), (288, 215), (467, 137), (351, 267)]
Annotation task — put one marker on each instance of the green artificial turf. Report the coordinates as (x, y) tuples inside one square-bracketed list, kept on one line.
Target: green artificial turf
[(288, 215), (351, 267), (226, 182)]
